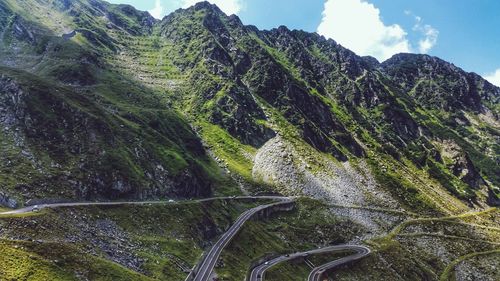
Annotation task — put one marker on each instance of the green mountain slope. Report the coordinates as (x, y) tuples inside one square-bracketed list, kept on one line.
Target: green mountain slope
[(239, 88), (73, 128), (104, 102)]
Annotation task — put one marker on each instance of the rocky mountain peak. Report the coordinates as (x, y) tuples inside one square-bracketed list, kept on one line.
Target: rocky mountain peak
[(205, 5), (451, 89)]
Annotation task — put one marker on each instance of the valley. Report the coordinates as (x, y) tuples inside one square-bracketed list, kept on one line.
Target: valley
[(197, 147)]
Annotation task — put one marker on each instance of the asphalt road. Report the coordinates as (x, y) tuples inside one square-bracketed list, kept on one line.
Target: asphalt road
[(76, 204), (361, 252), (207, 264), (258, 272), (205, 268)]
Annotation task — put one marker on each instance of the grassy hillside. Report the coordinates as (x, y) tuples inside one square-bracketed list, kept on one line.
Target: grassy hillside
[(104, 102)]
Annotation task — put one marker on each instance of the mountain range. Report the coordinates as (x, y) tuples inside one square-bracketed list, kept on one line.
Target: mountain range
[(104, 102)]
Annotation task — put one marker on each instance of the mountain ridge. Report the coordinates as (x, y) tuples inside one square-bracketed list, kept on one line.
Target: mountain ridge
[(103, 103), (223, 75)]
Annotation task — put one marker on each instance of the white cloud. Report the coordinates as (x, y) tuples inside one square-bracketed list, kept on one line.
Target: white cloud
[(430, 35), (357, 25), (227, 6), (157, 11), (493, 78), (429, 40)]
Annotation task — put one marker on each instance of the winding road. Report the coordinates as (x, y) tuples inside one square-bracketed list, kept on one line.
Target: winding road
[(361, 252), (258, 272), (205, 268), (30, 209)]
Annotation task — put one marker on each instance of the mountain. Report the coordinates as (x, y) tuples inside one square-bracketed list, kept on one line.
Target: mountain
[(102, 101), (69, 121), (124, 87)]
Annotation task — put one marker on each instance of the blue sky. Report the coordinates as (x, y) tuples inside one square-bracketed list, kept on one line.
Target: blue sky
[(464, 32)]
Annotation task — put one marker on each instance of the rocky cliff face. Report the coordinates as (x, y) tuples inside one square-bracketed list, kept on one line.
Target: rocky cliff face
[(55, 136), (109, 84), (436, 83), (71, 128)]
